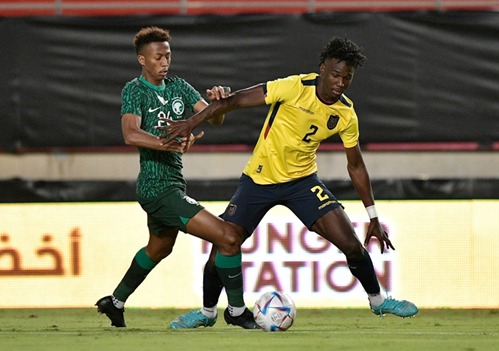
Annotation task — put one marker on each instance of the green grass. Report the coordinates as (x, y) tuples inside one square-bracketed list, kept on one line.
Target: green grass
[(314, 330)]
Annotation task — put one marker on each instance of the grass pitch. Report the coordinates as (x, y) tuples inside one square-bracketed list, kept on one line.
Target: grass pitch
[(314, 330)]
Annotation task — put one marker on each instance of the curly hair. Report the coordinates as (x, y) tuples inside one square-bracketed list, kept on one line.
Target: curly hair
[(343, 49), (150, 35)]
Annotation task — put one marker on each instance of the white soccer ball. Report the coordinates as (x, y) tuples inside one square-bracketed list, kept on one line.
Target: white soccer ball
[(274, 311)]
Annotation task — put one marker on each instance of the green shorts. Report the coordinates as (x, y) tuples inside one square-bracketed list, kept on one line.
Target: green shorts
[(171, 209)]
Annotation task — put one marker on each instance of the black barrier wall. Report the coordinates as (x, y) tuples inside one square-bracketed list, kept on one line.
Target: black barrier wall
[(27, 191), (428, 77)]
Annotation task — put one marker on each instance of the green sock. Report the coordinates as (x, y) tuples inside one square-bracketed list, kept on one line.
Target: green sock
[(229, 269), (138, 271)]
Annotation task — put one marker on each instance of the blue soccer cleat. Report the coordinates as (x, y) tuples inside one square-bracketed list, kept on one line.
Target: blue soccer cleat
[(401, 308), (191, 320)]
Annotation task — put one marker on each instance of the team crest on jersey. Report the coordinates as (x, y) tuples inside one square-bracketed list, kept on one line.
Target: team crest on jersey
[(332, 122), (231, 209), (178, 106)]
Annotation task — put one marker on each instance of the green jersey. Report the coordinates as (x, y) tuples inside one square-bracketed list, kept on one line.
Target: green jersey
[(158, 169)]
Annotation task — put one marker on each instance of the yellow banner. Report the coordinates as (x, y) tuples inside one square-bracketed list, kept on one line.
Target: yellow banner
[(71, 254)]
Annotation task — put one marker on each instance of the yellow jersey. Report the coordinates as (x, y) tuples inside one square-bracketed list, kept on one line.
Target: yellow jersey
[(296, 123)]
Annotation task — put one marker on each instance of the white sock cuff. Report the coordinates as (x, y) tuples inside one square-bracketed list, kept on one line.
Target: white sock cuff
[(210, 312)]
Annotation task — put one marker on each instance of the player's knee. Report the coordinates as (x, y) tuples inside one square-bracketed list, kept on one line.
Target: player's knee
[(353, 251), (232, 246), (231, 242), (159, 253), (166, 252)]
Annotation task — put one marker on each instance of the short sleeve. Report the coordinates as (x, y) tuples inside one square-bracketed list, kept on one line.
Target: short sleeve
[(350, 134)]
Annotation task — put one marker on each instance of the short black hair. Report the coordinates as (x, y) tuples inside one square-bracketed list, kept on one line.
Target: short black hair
[(150, 35), (343, 49)]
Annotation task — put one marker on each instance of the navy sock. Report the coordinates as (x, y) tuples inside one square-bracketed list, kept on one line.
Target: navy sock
[(363, 270), (212, 286)]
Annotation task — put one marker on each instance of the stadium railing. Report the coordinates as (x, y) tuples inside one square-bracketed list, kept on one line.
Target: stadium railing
[(223, 7)]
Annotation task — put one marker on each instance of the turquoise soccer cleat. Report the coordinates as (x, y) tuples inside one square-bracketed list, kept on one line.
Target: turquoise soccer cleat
[(401, 308), (192, 320)]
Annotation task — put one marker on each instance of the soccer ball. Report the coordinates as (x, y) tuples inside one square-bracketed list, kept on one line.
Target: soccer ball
[(274, 311)]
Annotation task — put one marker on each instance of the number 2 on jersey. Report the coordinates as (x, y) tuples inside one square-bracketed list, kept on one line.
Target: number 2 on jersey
[(319, 192), (307, 136)]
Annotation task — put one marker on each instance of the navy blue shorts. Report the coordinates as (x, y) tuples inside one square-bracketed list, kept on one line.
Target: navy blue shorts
[(308, 198)]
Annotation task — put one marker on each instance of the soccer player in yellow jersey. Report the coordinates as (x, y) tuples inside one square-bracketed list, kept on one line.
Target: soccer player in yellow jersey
[(304, 110)]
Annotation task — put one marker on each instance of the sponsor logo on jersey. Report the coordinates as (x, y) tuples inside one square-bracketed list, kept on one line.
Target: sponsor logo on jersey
[(306, 110)]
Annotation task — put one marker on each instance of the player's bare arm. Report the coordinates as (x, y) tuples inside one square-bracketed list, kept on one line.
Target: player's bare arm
[(215, 93), (249, 97), (133, 135), (362, 184)]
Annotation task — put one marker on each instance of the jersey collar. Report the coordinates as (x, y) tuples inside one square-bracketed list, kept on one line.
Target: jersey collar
[(152, 86)]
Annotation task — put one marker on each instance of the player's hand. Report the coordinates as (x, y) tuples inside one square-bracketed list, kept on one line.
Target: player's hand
[(218, 92), (375, 229), (182, 144), (178, 145), (192, 138), (174, 129)]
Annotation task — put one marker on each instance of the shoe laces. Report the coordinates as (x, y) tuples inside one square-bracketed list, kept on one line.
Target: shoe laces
[(390, 305), (393, 303)]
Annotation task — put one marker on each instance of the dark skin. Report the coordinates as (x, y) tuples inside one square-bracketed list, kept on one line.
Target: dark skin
[(334, 79)]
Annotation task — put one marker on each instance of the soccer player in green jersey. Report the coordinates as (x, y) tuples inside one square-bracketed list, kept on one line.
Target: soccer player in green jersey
[(304, 110), (147, 102)]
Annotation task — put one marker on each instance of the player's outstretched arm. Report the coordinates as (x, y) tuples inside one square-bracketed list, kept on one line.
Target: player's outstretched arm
[(362, 184), (217, 92), (133, 135), (244, 98)]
